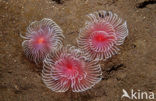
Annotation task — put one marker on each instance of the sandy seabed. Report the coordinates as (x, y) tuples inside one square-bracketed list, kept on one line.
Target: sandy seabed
[(133, 68)]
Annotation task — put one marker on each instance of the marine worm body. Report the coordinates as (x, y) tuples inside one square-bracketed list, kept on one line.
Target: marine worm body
[(41, 38), (102, 33), (68, 69)]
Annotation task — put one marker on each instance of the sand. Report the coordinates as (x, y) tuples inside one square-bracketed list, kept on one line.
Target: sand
[(133, 68)]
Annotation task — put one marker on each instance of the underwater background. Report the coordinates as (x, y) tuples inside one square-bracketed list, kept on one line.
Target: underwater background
[(133, 68)]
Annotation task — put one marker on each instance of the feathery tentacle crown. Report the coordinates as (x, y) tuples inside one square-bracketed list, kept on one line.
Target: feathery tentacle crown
[(68, 69), (102, 33), (41, 38)]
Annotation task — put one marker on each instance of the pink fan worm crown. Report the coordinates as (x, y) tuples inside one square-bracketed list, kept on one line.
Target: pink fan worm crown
[(102, 33), (41, 38), (69, 69)]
